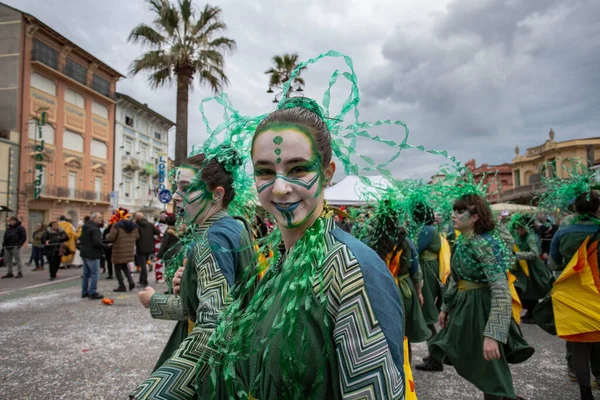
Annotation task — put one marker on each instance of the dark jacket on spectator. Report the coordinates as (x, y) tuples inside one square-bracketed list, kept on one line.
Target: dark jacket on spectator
[(123, 236), (15, 236), (169, 245), (55, 238), (145, 243), (90, 241)]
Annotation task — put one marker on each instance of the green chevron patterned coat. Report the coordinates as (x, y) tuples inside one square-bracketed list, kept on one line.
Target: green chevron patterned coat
[(214, 264), (364, 332)]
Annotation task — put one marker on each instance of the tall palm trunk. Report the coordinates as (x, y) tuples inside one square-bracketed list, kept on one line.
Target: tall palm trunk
[(181, 130)]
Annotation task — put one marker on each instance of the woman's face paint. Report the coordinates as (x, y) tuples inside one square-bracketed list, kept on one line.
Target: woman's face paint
[(462, 220), (192, 197), (288, 175)]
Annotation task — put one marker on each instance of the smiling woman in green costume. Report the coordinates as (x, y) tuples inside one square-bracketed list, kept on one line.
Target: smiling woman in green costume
[(326, 296), (218, 249)]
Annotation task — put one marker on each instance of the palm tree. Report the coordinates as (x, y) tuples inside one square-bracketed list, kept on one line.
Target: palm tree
[(182, 45), (284, 66)]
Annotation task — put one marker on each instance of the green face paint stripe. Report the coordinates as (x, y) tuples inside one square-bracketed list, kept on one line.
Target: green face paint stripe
[(265, 185), (299, 182)]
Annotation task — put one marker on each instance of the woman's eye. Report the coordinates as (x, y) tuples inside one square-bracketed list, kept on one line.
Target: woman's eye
[(299, 170), (263, 172)]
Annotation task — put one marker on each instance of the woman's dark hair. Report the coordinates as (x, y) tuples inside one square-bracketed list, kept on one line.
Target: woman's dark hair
[(587, 203), (170, 220), (476, 204), (304, 112), (214, 173), (423, 214), (86, 218)]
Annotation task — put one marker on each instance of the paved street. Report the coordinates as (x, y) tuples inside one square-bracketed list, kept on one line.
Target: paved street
[(56, 345)]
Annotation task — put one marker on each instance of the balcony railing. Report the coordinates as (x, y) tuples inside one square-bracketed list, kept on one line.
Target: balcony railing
[(62, 192), (45, 54)]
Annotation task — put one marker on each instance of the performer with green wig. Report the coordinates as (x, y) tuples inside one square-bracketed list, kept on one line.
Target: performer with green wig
[(428, 247), (217, 250), (325, 297), (391, 242), (479, 337)]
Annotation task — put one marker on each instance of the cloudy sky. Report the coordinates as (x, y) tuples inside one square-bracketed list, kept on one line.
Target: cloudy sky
[(473, 77)]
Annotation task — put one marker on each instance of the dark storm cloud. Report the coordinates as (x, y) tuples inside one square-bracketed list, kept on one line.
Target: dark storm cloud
[(473, 77)]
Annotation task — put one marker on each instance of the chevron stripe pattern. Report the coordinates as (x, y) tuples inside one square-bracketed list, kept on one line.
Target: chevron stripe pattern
[(175, 379), (167, 307), (475, 261), (367, 369)]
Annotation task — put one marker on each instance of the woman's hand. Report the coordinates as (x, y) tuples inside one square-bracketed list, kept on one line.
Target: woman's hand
[(443, 319), (177, 278), (491, 350), (145, 295)]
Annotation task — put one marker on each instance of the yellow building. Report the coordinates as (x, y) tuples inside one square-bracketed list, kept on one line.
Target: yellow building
[(551, 158)]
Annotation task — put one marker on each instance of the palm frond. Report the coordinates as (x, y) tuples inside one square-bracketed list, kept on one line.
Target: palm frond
[(146, 35)]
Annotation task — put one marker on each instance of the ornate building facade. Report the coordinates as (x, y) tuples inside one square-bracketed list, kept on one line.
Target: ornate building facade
[(64, 106)]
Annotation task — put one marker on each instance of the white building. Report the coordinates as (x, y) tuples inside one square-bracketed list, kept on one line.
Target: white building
[(141, 146)]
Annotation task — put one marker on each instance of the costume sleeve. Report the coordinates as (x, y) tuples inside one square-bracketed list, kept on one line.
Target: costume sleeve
[(22, 236), (450, 295), (500, 313), (532, 254), (167, 306), (556, 260), (408, 261), (370, 362), (176, 378), (424, 239)]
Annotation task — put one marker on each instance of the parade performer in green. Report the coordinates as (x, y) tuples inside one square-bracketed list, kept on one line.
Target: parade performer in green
[(217, 249), (479, 337)]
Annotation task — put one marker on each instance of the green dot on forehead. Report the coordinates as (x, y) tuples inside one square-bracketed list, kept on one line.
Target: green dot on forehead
[(278, 160), (277, 140), (278, 151)]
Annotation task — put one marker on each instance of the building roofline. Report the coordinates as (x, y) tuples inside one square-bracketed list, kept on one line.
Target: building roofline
[(144, 107), (61, 37)]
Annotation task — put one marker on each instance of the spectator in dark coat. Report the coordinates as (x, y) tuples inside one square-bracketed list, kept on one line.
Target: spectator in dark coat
[(14, 238), (144, 245), (52, 239), (107, 259), (169, 246), (91, 248), (123, 235)]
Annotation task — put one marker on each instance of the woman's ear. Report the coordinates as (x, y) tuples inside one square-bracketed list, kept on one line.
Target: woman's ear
[(329, 173), (218, 194)]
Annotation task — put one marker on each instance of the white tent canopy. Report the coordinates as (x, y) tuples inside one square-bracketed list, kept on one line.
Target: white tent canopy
[(350, 191)]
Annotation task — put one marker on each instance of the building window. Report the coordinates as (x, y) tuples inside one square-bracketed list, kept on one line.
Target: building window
[(74, 98), (47, 132), (98, 188), (42, 83), (72, 141), (143, 152), (128, 147), (100, 110), (72, 184), (129, 121), (44, 54), (76, 71), (101, 85), (517, 178), (99, 149), (157, 135), (127, 189)]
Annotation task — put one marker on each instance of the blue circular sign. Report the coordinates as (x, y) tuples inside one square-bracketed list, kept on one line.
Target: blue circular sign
[(165, 196)]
